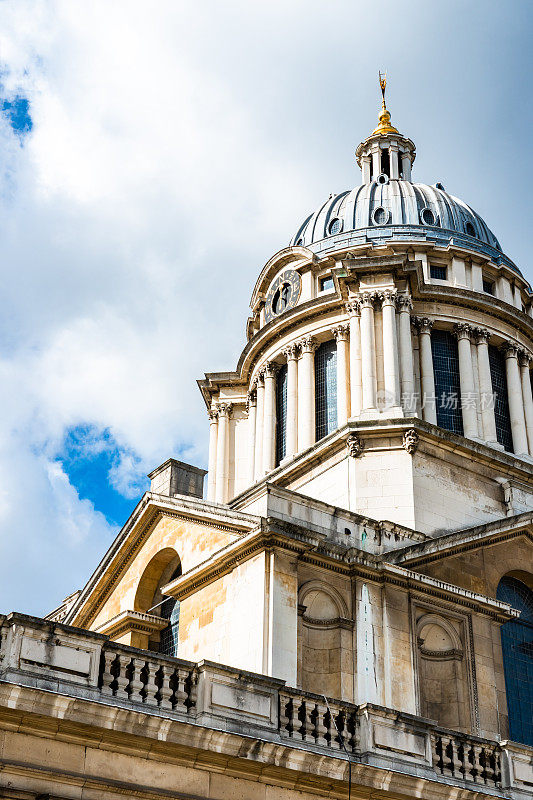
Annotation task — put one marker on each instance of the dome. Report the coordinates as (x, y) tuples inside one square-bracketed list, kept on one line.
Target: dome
[(385, 209)]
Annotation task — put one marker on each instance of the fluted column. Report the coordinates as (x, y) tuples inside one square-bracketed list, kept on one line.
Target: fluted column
[(224, 412), (353, 311), (251, 407), (488, 418), (341, 337), (516, 403), (427, 376), (463, 332), (391, 369), (306, 398), (407, 373), (291, 436), (368, 352), (212, 467), (259, 424), (269, 432), (524, 361)]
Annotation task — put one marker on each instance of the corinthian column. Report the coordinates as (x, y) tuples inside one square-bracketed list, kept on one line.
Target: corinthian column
[(407, 374), (368, 352), (516, 403), (466, 380), (341, 337), (224, 411), (212, 467), (259, 420), (427, 376), (269, 432), (353, 311), (525, 361), (488, 418), (391, 371), (306, 398), (251, 407), (291, 436)]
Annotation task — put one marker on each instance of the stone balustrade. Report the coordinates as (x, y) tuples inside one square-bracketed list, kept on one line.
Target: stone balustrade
[(37, 654)]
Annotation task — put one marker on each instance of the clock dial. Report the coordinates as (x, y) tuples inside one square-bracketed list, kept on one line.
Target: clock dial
[(283, 294)]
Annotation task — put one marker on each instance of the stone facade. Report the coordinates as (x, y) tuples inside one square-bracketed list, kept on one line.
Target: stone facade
[(339, 620)]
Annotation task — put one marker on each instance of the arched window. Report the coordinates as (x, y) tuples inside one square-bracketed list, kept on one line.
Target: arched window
[(517, 648), (325, 389), (447, 385), (281, 413), (170, 609), (501, 404)]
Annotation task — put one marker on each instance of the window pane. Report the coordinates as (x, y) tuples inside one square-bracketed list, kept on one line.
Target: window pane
[(501, 403), (281, 413), (170, 609), (326, 389), (447, 386), (437, 272), (517, 648)]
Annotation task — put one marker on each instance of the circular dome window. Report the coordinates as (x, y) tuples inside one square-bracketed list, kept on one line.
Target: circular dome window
[(299, 243), (382, 179), (440, 186), (380, 216), (469, 229), (427, 217), (335, 226)]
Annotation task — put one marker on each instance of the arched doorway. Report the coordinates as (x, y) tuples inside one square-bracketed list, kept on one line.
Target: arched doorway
[(517, 649)]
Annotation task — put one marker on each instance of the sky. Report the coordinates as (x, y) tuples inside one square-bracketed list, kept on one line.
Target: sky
[(153, 157)]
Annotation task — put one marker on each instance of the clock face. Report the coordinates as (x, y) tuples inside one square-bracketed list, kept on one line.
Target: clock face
[(283, 294)]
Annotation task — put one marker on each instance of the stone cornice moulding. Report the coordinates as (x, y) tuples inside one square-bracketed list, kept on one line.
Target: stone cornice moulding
[(128, 621)]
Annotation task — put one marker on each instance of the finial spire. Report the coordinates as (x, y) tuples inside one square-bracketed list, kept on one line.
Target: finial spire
[(383, 84), (384, 117)]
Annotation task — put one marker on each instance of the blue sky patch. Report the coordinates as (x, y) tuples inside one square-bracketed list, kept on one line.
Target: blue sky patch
[(17, 112), (91, 457)]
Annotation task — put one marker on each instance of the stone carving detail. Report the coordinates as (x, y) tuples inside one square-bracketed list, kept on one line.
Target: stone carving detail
[(404, 302), (308, 344), (368, 299), (341, 332), (271, 369), (524, 358), (411, 440), (423, 324), (482, 335), (462, 330), (353, 308), (292, 351), (225, 409), (354, 445), (389, 297), (510, 349), (251, 399), (213, 414)]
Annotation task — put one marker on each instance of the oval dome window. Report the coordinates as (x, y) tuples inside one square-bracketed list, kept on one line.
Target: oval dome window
[(335, 226), (380, 216), (427, 217), (382, 179)]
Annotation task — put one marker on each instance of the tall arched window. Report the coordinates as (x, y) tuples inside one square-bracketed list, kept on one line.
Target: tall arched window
[(447, 385), (517, 648), (501, 403), (325, 389), (170, 609), (281, 413)]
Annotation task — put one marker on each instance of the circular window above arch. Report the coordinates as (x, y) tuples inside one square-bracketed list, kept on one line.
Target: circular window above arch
[(469, 229), (427, 217), (380, 216), (382, 179), (335, 226)]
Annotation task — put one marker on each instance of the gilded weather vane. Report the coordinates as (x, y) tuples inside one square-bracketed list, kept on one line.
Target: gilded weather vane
[(383, 84)]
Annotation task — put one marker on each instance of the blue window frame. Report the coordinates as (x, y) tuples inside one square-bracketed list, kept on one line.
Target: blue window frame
[(281, 414), (501, 403), (170, 609), (447, 385), (437, 272), (325, 389), (517, 649)]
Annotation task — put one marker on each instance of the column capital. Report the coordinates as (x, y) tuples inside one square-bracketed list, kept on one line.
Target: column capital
[(291, 351), (308, 344), (271, 368), (423, 324), (481, 335), (524, 358), (341, 332), (463, 330), (225, 409), (353, 308), (389, 297), (404, 303), (367, 299), (260, 378), (213, 415), (510, 349), (251, 399)]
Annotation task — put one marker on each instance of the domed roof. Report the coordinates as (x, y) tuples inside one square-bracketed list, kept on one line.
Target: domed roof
[(386, 208)]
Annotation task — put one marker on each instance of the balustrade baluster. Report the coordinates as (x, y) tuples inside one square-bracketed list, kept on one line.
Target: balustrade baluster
[(321, 728), (122, 677), (165, 689), (108, 678), (136, 684)]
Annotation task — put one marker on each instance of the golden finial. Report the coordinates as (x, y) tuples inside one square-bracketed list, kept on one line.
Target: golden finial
[(384, 117)]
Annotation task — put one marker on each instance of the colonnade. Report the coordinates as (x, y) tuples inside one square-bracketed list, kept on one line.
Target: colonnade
[(357, 386)]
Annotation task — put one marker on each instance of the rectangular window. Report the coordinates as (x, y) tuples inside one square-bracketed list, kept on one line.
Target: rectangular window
[(326, 284), (447, 385), (488, 286), (325, 389), (437, 272), (281, 414), (501, 403)]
